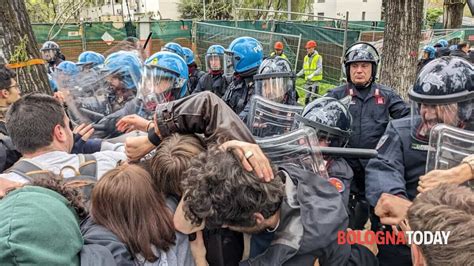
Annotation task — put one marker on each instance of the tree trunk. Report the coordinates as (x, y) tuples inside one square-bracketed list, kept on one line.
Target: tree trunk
[(400, 44), (453, 13), (14, 25)]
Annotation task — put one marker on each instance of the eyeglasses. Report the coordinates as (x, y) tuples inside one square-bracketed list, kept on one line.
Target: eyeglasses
[(13, 86)]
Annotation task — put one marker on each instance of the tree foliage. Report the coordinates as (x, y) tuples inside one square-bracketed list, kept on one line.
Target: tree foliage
[(222, 9), (432, 16), (193, 9)]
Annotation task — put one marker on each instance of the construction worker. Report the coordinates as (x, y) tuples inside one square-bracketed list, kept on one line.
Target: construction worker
[(312, 70), (278, 47)]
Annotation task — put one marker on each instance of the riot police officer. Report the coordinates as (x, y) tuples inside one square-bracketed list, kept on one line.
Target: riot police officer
[(276, 81), (213, 80), (244, 56), (428, 56), (442, 48), (371, 108), (51, 53), (332, 121), (164, 79), (195, 73), (442, 93), (90, 59), (174, 48), (123, 73)]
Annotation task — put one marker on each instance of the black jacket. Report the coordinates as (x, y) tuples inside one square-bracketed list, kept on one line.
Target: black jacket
[(311, 214)]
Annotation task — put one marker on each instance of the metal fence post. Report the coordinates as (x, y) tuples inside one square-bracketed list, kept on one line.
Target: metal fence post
[(344, 46), (298, 53), (234, 10)]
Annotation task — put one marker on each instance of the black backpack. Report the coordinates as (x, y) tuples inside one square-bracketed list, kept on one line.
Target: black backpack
[(84, 180), (8, 154)]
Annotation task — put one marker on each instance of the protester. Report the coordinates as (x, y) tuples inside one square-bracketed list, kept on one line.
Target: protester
[(447, 208), (39, 129), (125, 202), (172, 158), (216, 185)]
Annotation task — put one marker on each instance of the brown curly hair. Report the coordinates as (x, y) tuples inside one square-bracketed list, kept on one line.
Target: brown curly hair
[(57, 183), (221, 192)]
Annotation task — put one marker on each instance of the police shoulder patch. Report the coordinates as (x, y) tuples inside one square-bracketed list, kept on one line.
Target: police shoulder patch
[(337, 183), (381, 141)]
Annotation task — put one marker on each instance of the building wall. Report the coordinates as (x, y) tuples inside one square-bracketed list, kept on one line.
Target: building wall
[(149, 9), (338, 8), (169, 9)]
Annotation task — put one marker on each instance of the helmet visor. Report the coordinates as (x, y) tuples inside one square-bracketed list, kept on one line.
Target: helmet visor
[(86, 95), (267, 118), (274, 88), (48, 55), (299, 148), (426, 116), (214, 62), (159, 85), (229, 67)]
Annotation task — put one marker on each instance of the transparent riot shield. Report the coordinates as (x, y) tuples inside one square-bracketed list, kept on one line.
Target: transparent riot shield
[(85, 95), (267, 118), (299, 147), (448, 146)]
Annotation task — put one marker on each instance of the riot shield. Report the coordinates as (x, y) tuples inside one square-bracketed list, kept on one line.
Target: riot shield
[(85, 95), (448, 146), (267, 118), (299, 147)]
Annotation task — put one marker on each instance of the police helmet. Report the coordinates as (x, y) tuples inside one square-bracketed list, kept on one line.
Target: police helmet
[(330, 118), (274, 79), (361, 52)]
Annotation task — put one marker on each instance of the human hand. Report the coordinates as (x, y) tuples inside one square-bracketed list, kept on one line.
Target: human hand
[(251, 157), (85, 131), (391, 209), (132, 122), (60, 97), (456, 175), (137, 147)]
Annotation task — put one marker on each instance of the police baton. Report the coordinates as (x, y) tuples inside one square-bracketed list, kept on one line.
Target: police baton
[(349, 153), (147, 40)]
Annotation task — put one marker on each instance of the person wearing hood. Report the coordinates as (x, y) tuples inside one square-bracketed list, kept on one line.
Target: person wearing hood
[(372, 106)]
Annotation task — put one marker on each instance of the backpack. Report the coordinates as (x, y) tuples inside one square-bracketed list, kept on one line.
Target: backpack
[(84, 180), (8, 154)]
